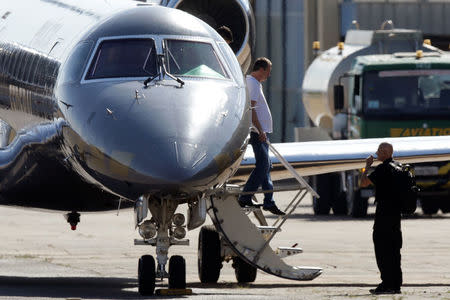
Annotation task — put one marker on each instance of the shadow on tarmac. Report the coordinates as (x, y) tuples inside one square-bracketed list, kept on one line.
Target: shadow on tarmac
[(230, 285), (126, 288), (68, 287)]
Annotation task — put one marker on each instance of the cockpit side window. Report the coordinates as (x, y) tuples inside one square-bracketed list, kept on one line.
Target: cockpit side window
[(188, 58), (124, 58), (235, 68)]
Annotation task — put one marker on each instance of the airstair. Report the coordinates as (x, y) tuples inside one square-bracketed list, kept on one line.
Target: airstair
[(248, 241)]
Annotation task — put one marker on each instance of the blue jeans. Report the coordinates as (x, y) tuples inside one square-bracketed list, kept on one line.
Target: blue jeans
[(260, 176)]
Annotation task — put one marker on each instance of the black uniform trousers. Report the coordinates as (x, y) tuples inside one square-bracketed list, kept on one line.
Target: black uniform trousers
[(387, 252)]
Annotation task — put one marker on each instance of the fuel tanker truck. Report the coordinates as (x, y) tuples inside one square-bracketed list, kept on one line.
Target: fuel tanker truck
[(382, 83)]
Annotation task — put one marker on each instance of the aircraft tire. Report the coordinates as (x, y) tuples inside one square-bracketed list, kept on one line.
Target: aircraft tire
[(209, 260), (177, 272), (243, 271), (146, 275), (430, 206)]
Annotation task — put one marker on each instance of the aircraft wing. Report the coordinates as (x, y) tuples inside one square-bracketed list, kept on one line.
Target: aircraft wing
[(311, 158)]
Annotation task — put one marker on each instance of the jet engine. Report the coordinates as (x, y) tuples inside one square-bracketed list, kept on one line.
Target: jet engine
[(235, 14)]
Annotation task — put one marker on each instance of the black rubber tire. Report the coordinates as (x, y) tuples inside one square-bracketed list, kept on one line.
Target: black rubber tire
[(146, 275), (339, 204), (338, 197), (360, 204), (177, 272), (209, 260), (430, 206), (243, 271), (328, 186), (444, 204), (321, 206)]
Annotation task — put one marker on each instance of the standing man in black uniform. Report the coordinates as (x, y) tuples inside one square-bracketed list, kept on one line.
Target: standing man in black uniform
[(387, 235)]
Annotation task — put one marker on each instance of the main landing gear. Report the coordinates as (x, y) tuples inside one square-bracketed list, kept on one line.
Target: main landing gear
[(163, 230), (209, 260), (211, 254)]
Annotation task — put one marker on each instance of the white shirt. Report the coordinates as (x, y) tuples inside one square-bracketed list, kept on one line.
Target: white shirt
[(256, 94)]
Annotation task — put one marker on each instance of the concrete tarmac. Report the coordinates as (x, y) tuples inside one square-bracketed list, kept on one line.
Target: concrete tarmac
[(41, 258)]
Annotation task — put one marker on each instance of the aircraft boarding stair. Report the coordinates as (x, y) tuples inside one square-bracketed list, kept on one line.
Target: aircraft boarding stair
[(250, 242)]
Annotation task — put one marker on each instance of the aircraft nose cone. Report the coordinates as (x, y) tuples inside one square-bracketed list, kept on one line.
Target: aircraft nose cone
[(162, 165), (173, 161)]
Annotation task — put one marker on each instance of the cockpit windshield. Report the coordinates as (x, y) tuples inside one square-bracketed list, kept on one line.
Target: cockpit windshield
[(187, 58), (124, 58)]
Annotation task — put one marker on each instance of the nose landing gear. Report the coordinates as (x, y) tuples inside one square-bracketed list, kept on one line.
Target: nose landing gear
[(168, 232), (147, 275)]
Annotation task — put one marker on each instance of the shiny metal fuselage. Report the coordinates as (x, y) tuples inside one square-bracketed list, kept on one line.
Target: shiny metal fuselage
[(76, 144)]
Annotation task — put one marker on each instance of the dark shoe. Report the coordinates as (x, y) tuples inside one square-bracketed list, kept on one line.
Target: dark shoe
[(381, 289), (274, 209), (249, 204)]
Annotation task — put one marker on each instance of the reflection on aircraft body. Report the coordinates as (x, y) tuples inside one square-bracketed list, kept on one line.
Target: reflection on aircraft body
[(121, 104)]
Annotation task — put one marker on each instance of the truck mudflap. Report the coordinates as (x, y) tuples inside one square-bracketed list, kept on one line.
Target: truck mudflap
[(247, 241)]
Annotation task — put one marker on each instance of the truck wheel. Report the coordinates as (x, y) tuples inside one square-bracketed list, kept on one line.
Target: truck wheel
[(339, 201), (321, 206), (430, 206), (360, 204), (444, 205), (339, 205)]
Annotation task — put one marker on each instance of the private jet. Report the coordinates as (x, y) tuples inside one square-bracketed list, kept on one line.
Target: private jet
[(114, 104)]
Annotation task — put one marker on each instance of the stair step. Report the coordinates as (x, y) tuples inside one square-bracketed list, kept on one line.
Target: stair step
[(288, 251), (266, 231), (249, 209)]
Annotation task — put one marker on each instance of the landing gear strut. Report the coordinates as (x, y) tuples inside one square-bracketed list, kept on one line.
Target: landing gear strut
[(169, 230)]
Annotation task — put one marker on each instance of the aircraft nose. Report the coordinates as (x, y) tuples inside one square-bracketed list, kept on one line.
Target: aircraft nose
[(148, 164), (182, 139)]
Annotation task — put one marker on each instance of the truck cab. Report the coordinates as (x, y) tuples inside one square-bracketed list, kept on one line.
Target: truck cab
[(405, 94), (379, 83)]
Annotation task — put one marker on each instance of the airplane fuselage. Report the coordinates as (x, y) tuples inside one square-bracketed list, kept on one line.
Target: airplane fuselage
[(79, 119)]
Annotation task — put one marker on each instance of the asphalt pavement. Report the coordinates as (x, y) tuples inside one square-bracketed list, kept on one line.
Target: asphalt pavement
[(41, 258)]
